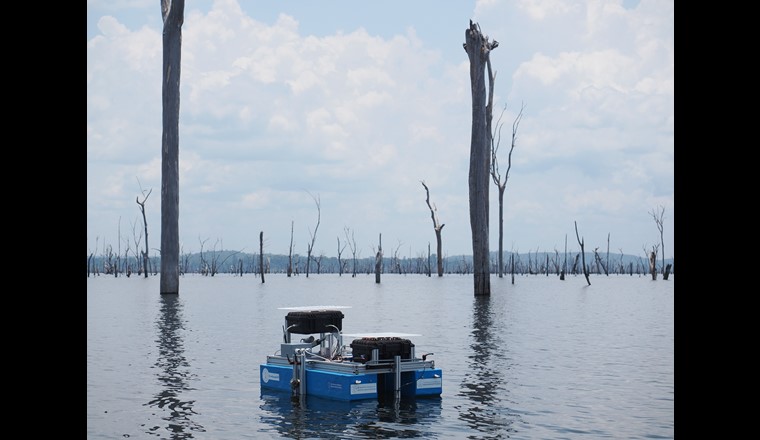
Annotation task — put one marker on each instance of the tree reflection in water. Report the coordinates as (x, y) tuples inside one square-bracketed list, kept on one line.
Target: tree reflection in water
[(173, 374), (485, 382)]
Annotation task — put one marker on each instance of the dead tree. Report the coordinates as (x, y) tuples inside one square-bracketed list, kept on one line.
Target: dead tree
[(318, 262), (217, 262), (204, 266), (379, 259), (290, 251), (658, 217), (653, 261), (261, 256), (575, 264), (512, 266), (564, 265), (340, 252), (173, 15), (478, 50), (608, 255), (313, 235), (437, 227), (496, 174), (599, 263), (352, 245), (145, 223), (428, 261), (583, 254), (127, 266), (137, 237), (396, 263)]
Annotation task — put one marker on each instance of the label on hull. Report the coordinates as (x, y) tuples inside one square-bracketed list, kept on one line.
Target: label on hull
[(363, 388), (266, 376), (431, 382)]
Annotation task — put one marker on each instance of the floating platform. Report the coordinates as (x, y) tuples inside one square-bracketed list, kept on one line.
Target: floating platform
[(372, 366)]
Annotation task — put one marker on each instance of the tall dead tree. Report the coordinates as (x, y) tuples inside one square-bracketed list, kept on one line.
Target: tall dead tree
[(512, 266), (351, 244), (379, 259), (496, 175), (310, 246), (583, 254), (606, 269), (478, 50), (137, 237), (290, 251), (173, 15), (564, 265), (261, 255), (437, 227), (145, 223), (118, 250), (340, 252), (658, 217)]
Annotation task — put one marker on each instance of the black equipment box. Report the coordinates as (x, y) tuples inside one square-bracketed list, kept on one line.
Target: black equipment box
[(387, 347), (314, 321)]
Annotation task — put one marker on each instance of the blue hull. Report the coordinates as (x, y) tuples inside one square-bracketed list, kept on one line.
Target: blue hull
[(352, 387)]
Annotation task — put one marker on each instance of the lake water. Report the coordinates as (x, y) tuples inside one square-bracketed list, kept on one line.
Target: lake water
[(538, 359)]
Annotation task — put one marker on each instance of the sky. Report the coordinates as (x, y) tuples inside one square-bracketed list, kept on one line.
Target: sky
[(335, 111)]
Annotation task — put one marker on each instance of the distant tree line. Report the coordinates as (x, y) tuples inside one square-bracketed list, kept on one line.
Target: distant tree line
[(213, 262)]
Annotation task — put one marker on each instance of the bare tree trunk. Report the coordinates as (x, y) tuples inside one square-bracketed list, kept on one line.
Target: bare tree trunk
[(290, 251), (437, 227), (145, 223), (118, 251), (501, 230), (310, 246), (512, 265), (583, 254), (658, 217), (496, 174), (429, 269), (352, 244), (599, 263), (261, 255), (478, 50), (173, 14), (606, 269), (653, 264), (575, 264), (379, 259), (564, 265), (340, 252)]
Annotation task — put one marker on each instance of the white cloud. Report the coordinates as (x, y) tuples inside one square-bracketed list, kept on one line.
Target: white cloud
[(540, 9), (269, 111)]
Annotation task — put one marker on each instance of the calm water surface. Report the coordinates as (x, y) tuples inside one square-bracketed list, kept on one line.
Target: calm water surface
[(540, 359)]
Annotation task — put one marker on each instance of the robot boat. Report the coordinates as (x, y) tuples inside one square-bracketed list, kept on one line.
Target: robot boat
[(372, 366)]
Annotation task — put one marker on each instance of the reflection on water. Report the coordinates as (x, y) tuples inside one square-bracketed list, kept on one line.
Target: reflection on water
[(315, 417), (485, 384), (540, 359), (173, 374)]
